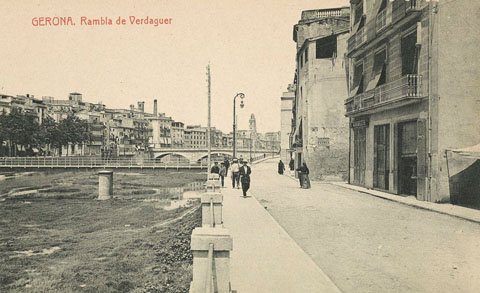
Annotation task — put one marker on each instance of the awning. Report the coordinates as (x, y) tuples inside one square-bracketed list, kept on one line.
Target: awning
[(355, 91), (473, 151), (296, 133), (380, 5), (374, 82), (358, 25)]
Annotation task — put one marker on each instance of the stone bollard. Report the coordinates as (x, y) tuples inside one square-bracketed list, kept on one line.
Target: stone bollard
[(105, 185), (214, 199), (213, 182), (211, 260)]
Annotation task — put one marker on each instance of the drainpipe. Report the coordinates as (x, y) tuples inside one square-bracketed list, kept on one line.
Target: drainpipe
[(349, 147), (430, 98)]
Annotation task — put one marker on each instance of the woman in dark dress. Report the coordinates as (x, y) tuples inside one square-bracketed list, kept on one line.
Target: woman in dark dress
[(303, 176), (281, 167)]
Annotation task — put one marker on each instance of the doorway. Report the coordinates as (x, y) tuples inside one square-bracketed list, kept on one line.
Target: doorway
[(359, 155), (381, 157), (407, 158)]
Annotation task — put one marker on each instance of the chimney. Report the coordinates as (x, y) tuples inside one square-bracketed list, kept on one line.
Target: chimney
[(132, 107), (155, 108), (141, 106)]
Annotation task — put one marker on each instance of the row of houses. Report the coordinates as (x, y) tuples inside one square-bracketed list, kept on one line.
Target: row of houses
[(383, 90), (127, 132)]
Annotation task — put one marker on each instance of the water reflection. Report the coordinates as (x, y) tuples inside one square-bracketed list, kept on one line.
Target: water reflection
[(189, 190), (181, 196)]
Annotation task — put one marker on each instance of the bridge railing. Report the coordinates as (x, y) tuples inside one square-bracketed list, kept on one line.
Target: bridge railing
[(91, 162)]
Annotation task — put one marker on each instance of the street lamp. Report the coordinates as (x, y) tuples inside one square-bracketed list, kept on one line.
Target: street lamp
[(242, 96), (250, 147)]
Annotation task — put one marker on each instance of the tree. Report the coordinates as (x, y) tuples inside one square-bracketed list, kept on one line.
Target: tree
[(20, 129), (3, 133), (73, 130)]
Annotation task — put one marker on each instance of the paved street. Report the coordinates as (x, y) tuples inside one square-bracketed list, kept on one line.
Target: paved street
[(367, 244)]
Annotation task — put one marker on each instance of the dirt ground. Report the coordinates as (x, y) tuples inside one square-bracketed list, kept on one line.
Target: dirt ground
[(367, 244), (56, 238)]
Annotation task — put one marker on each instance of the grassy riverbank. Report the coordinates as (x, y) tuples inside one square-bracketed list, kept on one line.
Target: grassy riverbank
[(57, 238)]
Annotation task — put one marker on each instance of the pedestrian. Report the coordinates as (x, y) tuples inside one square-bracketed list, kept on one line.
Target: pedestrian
[(223, 173), (245, 172), (291, 164), (227, 165), (281, 167), (235, 178), (303, 176), (215, 169)]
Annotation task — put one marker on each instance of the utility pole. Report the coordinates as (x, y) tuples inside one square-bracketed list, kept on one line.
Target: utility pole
[(209, 145)]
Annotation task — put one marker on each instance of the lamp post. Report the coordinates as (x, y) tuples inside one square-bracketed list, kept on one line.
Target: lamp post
[(242, 96), (250, 147)]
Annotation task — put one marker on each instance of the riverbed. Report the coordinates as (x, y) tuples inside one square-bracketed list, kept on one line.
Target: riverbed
[(57, 237)]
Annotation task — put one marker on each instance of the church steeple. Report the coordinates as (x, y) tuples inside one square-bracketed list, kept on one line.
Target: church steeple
[(253, 124)]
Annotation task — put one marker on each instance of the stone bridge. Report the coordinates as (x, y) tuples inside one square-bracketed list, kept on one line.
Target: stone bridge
[(195, 155)]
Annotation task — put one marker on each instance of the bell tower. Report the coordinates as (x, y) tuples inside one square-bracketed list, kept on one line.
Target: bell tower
[(253, 125)]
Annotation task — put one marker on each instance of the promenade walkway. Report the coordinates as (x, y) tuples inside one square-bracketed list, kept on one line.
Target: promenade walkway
[(368, 243), (264, 257)]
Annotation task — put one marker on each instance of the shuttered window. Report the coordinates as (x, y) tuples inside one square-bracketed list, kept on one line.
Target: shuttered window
[(409, 52)]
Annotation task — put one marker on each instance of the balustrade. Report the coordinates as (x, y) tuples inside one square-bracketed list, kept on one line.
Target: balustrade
[(408, 86)]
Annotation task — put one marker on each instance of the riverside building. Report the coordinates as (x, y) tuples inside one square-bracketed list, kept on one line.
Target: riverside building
[(319, 133), (413, 84)]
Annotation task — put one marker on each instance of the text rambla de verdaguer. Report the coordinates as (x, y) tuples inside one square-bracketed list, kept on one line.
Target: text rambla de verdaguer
[(99, 21)]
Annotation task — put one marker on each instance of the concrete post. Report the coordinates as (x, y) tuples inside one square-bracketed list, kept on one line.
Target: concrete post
[(213, 182), (208, 200), (215, 269), (105, 185)]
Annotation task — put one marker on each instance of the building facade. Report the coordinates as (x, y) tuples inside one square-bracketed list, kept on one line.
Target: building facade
[(411, 80), (161, 131), (320, 132), (286, 123), (178, 134), (195, 137)]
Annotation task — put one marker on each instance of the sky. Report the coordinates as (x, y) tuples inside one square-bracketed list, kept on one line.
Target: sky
[(248, 44)]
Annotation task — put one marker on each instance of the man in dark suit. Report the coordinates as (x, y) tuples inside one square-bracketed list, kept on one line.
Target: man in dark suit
[(244, 173)]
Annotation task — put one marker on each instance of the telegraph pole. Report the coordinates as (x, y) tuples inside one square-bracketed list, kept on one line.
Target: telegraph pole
[(209, 145)]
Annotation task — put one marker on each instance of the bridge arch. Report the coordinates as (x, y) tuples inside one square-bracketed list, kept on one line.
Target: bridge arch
[(163, 155), (224, 154)]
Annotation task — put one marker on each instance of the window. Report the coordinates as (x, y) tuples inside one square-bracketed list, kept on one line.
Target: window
[(326, 47), (381, 14), (306, 53), (358, 12), (358, 77), (409, 54), (379, 67)]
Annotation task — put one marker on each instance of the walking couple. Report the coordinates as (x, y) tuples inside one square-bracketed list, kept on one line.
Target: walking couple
[(241, 174)]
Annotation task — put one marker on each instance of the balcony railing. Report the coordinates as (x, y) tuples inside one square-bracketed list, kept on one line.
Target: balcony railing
[(375, 25), (360, 36), (409, 86), (414, 5)]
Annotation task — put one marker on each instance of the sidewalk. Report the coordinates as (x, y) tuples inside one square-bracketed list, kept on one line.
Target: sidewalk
[(443, 208), (264, 257)]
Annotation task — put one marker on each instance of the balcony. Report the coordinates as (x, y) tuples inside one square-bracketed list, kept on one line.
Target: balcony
[(414, 5), (360, 37), (405, 88)]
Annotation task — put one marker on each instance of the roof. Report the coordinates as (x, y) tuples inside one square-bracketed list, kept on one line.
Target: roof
[(316, 15)]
